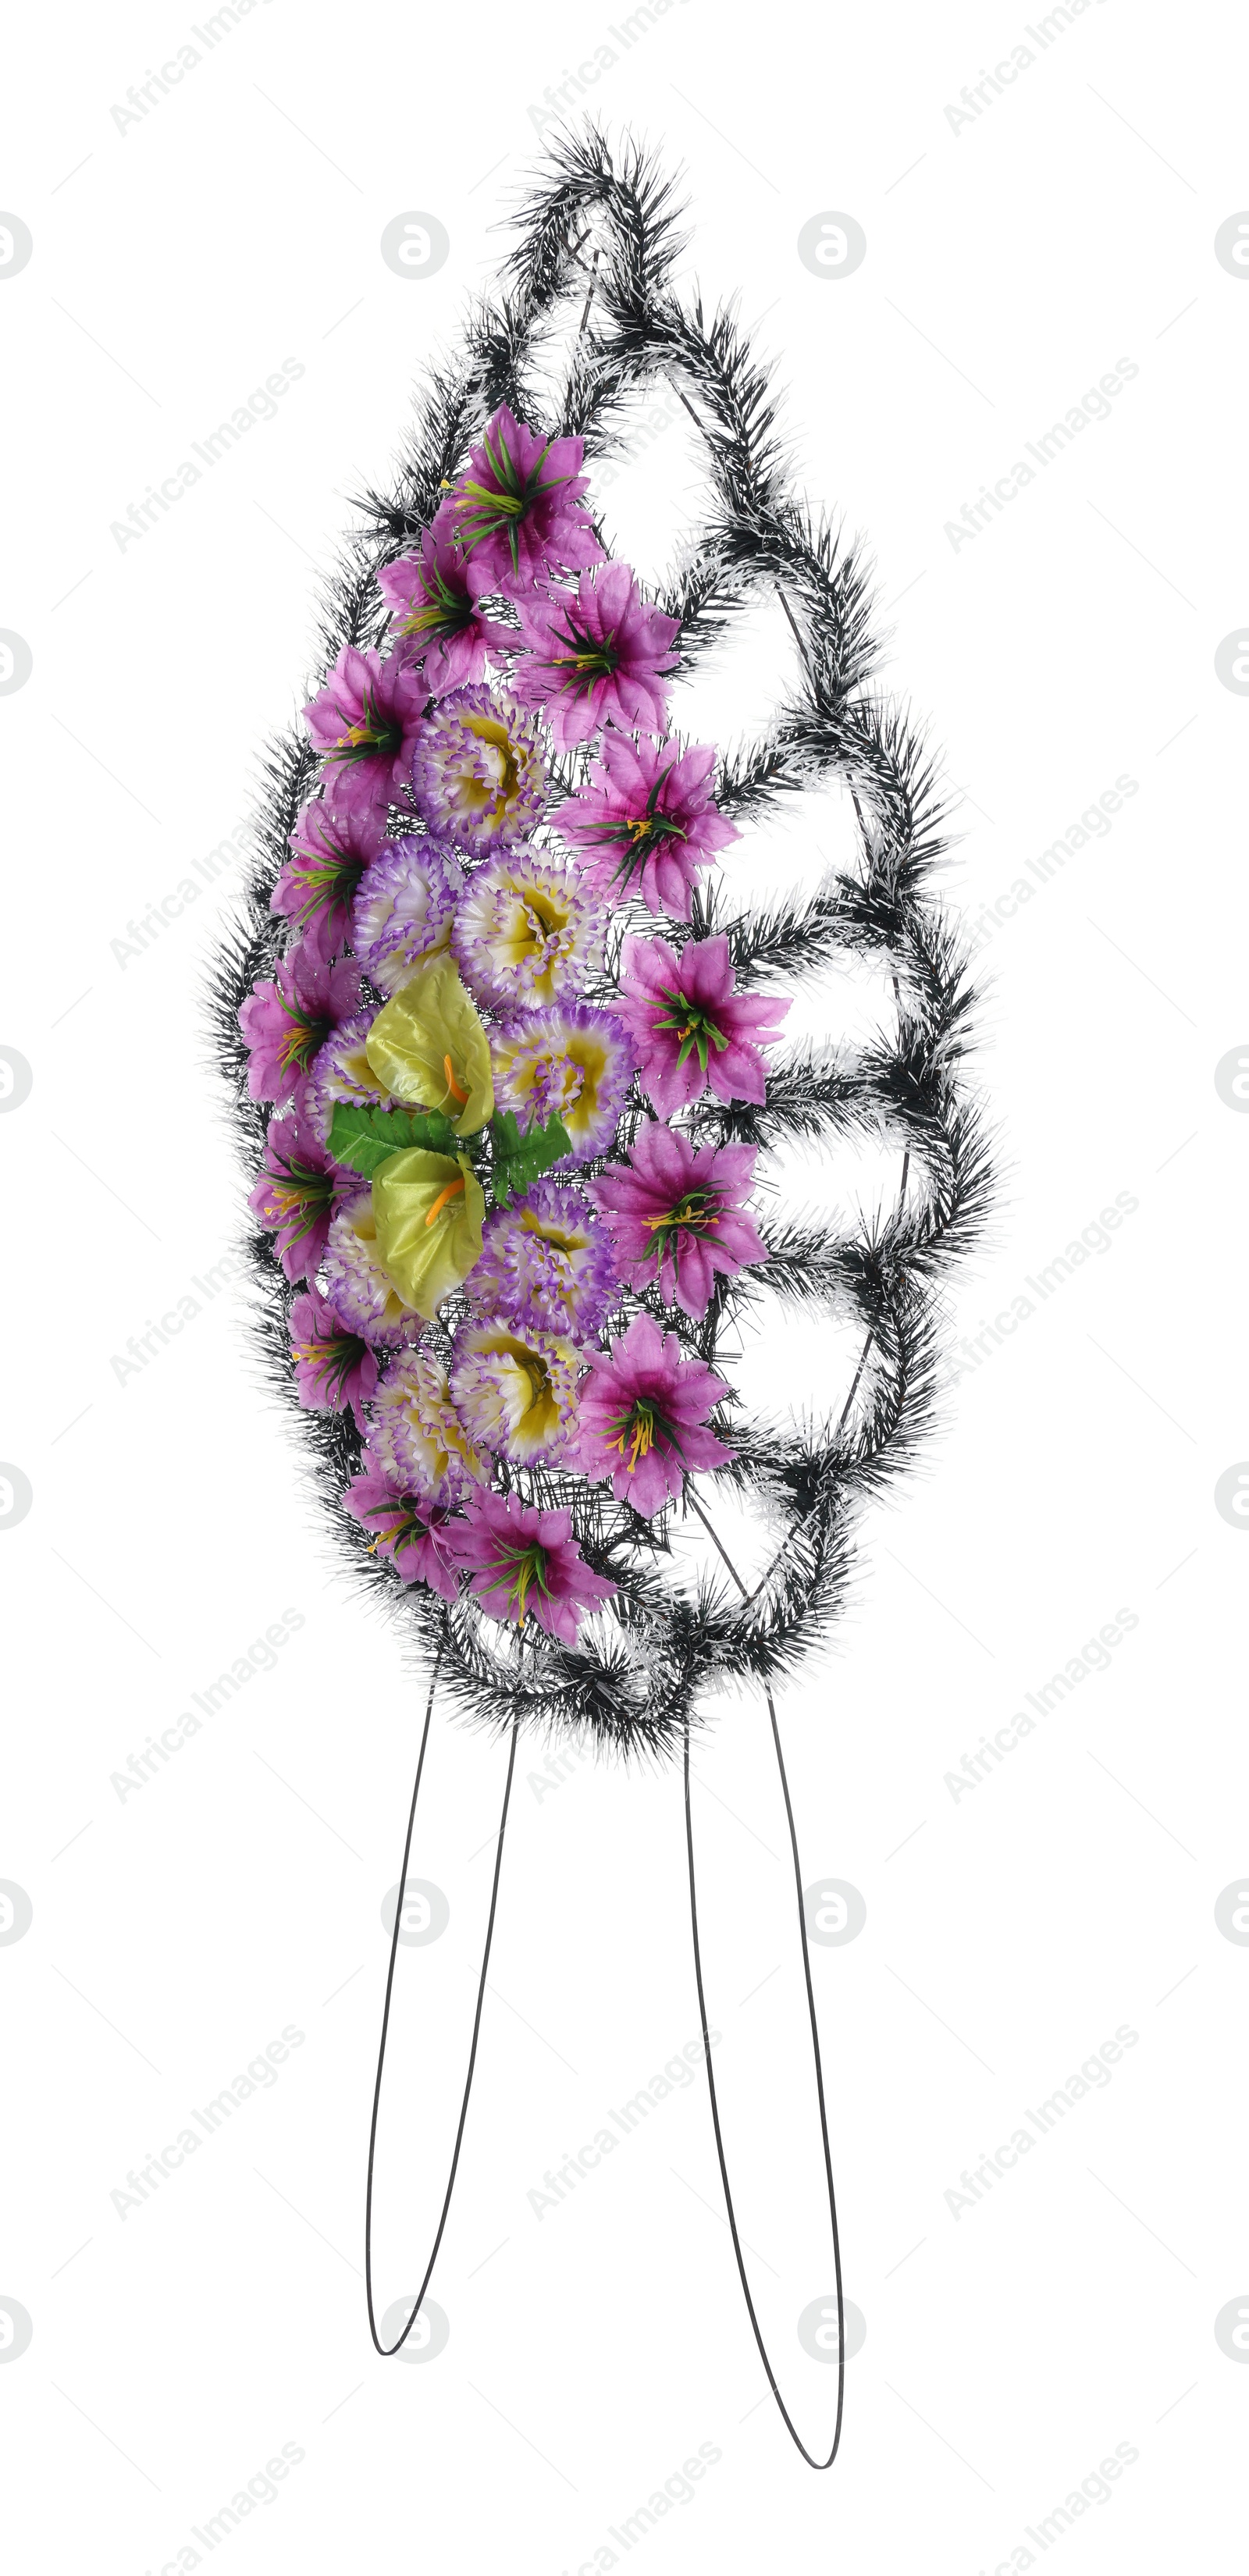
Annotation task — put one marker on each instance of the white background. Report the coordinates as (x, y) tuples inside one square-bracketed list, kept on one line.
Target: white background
[(1010, 2346)]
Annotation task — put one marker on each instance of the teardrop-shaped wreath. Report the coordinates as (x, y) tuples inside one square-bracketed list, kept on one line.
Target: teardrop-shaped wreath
[(504, 1063)]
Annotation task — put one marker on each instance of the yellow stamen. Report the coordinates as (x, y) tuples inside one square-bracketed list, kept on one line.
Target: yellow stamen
[(443, 1195), (641, 1443)]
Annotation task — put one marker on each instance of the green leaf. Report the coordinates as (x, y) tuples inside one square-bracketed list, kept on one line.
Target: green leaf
[(521, 1160), (363, 1138)]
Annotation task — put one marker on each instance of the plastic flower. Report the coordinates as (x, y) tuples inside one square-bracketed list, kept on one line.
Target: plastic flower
[(415, 1436), (357, 1282), (429, 1047), (575, 1064), (647, 821), (518, 512), (296, 1194), (342, 1071), (692, 1031), (477, 771), (526, 931), (364, 721), (676, 1217), (403, 908), (642, 1414), (428, 1212), (287, 1022), (515, 1393), (525, 1564), (334, 1367), (593, 654), (434, 617), (546, 1266), (416, 1536), (330, 849)]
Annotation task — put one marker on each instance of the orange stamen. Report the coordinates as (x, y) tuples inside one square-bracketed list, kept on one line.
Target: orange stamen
[(450, 1192), (452, 1085)]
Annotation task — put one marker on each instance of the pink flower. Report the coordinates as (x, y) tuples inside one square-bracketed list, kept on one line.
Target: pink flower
[(642, 1412), (287, 1022), (364, 721), (676, 1217), (330, 850), (647, 821), (526, 1564), (518, 512), (297, 1192), (416, 1535), (334, 1369), (435, 620), (691, 1030), (595, 654)]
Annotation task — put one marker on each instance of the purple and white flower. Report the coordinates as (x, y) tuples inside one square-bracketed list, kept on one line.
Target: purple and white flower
[(404, 906), (415, 1435), (357, 1283), (547, 1265), (575, 1063), (477, 774), (516, 1393), (526, 933), (341, 1071)]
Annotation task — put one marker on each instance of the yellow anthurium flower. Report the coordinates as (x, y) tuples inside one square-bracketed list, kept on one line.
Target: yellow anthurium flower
[(428, 1211), (428, 1047)]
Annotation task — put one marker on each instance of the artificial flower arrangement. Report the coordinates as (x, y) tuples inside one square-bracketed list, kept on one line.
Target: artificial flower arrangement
[(491, 1169), (508, 1061)]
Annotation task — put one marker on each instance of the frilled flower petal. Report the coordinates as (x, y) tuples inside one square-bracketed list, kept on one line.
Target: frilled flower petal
[(478, 776), (416, 1437), (526, 932), (357, 1282), (429, 1048), (403, 908), (525, 1564), (516, 1393), (574, 1064), (342, 1072), (428, 1211), (546, 1265)]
